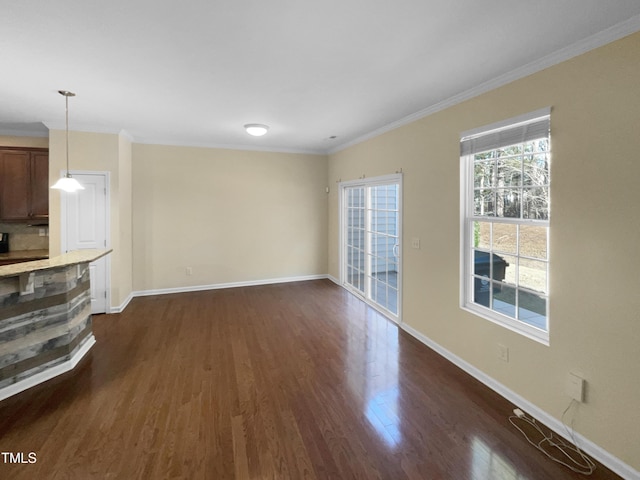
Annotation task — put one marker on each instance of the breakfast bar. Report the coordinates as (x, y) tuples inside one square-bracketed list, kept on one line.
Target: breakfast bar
[(45, 318)]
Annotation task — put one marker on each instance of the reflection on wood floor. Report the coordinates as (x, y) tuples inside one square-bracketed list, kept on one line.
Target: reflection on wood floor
[(383, 290), (290, 381)]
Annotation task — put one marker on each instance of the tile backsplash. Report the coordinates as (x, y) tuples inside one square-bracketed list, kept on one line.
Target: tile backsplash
[(23, 237)]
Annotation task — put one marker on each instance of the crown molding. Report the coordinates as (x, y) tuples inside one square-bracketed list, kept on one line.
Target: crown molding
[(12, 132), (609, 35), (86, 128), (123, 133), (227, 146), (55, 125)]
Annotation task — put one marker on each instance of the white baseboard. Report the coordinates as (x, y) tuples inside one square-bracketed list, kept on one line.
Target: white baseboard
[(122, 306), (333, 279), (217, 286), (50, 373), (615, 464)]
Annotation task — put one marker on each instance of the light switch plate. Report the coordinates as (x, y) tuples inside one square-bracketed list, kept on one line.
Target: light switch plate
[(575, 387), (503, 353)]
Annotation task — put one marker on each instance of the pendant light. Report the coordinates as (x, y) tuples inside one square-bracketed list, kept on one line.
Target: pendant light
[(67, 183)]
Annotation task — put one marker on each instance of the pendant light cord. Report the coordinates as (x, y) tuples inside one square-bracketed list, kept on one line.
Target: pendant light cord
[(66, 103), (66, 94), (66, 182)]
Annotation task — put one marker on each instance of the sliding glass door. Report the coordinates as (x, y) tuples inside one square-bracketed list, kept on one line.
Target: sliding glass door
[(371, 241)]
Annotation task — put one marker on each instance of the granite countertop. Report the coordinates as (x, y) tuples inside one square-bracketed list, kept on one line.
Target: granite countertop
[(20, 255), (71, 258)]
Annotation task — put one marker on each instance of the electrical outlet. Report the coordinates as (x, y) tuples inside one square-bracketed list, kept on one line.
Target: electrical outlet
[(503, 353), (575, 387), (189, 271), (415, 243)]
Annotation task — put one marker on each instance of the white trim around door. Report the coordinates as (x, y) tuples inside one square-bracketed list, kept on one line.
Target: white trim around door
[(100, 289)]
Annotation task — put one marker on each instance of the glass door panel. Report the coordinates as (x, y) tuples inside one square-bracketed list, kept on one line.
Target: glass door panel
[(383, 234), (372, 239), (355, 237)]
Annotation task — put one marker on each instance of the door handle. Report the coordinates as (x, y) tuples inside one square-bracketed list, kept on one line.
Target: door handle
[(396, 250)]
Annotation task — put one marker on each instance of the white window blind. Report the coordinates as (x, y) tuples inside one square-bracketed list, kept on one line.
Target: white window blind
[(518, 130)]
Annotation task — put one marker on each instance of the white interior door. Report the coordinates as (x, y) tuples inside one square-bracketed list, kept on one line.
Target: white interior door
[(84, 217)]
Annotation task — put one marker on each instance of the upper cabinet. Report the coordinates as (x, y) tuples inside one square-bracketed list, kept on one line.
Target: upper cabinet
[(24, 185), (40, 185)]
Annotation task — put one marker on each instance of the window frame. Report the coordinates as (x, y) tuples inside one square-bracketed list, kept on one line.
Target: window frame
[(468, 218)]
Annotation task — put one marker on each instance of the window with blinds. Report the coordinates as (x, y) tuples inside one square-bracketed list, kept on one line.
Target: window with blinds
[(505, 185)]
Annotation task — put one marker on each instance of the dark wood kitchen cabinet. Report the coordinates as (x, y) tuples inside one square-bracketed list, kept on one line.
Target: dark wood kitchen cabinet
[(24, 185), (40, 185)]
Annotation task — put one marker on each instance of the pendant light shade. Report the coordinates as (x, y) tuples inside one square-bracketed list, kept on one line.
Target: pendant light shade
[(67, 183)]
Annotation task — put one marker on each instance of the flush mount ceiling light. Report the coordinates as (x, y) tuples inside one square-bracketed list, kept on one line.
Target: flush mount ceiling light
[(256, 129), (67, 183)]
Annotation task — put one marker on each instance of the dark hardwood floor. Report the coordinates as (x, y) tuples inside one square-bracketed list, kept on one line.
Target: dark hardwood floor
[(290, 381)]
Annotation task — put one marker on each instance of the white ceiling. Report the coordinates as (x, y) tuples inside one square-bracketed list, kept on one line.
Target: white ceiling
[(194, 72)]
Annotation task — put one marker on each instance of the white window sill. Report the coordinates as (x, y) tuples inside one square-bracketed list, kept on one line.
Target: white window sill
[(517, 326)]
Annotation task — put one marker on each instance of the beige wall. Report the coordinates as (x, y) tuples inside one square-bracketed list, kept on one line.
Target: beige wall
[(123, 283), (230, 215), (14, 141), (595, 227), (98, 152)]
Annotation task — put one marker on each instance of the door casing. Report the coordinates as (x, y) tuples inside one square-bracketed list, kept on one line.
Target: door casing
[(106, 260)]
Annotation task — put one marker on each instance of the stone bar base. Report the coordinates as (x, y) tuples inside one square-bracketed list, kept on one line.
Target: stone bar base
[(45, 325)]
